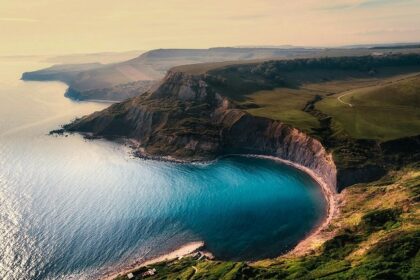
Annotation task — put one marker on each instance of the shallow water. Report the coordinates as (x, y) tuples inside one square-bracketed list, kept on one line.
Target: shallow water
[(70, 207)]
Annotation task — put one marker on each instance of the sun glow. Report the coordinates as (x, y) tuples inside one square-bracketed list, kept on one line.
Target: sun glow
[(58, 26)]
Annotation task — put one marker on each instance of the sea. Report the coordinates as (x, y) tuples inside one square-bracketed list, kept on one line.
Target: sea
[(72, 208)]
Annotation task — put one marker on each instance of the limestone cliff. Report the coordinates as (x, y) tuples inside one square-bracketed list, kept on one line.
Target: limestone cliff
[(243, 133), (184, 118)]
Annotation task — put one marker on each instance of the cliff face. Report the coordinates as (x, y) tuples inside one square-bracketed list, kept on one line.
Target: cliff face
[(243, 133), (183, 117)]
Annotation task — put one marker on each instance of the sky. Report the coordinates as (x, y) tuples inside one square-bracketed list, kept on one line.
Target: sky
[(29, 27)]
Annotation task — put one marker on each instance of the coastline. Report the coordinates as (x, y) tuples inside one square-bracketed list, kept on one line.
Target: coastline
[(306, 245), (184, 250), (316, 236)]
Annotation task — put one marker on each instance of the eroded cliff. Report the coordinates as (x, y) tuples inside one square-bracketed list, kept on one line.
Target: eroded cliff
[(185, 118)]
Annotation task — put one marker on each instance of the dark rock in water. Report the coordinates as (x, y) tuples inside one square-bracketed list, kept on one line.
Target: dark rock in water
[(57, 132), (73, 94)]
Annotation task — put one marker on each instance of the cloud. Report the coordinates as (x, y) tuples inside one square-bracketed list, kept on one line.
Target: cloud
[(355, 4), (388, 31), (12, 19), (376, 3)]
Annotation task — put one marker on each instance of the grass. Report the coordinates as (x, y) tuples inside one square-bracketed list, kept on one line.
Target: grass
[(382, 112), (382, 109), (384, 97), (284, 104)]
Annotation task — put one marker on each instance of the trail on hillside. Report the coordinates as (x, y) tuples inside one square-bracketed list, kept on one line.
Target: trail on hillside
[(339, 98)]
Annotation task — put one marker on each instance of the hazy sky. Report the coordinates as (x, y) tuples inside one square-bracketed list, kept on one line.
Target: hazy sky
[(74, 26)]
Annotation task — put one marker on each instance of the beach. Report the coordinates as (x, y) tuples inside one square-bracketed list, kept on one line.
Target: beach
[(317, 236), (184, 250)]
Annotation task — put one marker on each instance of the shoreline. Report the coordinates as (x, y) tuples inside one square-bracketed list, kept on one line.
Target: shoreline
[(315, 236), (184, 250), (304, 246)]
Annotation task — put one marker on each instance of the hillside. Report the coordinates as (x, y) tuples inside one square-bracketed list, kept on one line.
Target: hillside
[(61, 72), (383, 111), (287, 109), (308, 94), (96, 81)]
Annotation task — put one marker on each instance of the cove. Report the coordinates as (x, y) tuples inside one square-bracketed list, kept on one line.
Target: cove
[(70, 207)]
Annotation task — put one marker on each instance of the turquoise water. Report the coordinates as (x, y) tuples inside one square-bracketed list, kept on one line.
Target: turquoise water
[(70, 208)]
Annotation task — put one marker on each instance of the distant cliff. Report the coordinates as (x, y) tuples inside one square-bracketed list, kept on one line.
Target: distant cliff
[(104, 81), (125, 79)]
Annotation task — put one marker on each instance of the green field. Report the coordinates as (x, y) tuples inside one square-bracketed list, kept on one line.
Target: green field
[(354, 106), (285, 105), (381, 109), (383, 112), (361, 97)]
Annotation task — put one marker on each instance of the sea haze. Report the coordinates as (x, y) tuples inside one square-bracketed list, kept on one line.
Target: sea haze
[(74, 208)]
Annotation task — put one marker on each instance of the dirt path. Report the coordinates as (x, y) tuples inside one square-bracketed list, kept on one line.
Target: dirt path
[(339, 98)]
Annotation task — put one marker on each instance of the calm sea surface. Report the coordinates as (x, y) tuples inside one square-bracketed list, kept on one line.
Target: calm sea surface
[(70, 207)]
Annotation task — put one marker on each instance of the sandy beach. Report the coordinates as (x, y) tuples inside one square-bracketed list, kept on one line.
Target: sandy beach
[(185, 250), (317, 236)]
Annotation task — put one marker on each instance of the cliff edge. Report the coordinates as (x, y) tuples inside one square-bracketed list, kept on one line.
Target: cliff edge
[(284, 108), (185, 118)]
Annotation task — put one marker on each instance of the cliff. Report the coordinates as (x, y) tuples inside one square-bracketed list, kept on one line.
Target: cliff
[(200, 112), (185, 118), (243, 133), (125, 79)]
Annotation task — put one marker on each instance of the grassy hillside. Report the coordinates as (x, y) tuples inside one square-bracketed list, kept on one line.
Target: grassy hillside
[(372, 240), (284, 104), (378, 109), (386, 111), (354, 105)]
